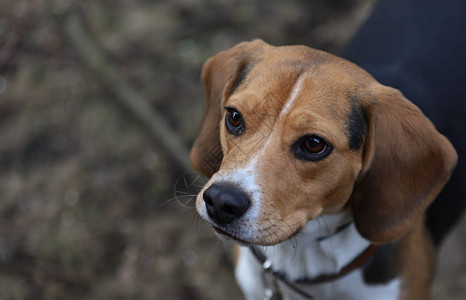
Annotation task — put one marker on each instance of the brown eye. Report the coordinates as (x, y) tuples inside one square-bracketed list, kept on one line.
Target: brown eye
[(234, 122), (314, 145), (234, 118), (311, 148)]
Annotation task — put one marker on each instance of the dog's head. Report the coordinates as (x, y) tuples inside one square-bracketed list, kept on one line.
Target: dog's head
[(290, 133)]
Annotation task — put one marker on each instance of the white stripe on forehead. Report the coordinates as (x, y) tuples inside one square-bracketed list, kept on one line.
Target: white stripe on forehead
[(294, 95), (286, 108), (246, 177)]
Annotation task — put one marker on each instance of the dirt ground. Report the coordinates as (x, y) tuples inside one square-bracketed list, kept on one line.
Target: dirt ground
[(92, 204)]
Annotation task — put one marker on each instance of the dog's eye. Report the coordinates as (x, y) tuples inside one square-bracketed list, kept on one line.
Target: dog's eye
[(314, 145), (311, 148), (234, 122)]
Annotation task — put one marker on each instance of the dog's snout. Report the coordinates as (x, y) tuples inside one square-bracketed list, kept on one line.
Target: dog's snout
[(225, 203)]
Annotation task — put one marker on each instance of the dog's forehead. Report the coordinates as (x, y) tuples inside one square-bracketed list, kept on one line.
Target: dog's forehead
[(278, 82)]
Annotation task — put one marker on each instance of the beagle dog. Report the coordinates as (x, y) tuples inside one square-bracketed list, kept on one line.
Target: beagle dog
[(320, 173)]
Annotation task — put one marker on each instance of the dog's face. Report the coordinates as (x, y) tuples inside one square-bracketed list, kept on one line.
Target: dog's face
[(290, 133)]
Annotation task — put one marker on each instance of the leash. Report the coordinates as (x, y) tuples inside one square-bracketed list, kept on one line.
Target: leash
[(271, 277)]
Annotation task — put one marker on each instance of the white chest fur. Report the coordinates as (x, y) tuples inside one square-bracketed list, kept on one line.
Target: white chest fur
[(307, 256)]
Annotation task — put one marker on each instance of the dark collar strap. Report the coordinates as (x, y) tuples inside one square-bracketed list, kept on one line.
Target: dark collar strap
[(359, 261), (270, 278)]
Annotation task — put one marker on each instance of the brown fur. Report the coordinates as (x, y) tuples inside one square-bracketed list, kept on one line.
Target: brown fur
[(407, 162), (416, 263), (236, 254), (218, 71), (388, 183)]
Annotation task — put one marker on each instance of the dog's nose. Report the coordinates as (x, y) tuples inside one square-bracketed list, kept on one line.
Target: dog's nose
[(225, 203)]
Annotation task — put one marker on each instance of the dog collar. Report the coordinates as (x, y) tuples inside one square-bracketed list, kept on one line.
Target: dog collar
[(271, 277)]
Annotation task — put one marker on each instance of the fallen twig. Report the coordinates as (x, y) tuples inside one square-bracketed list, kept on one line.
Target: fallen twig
[(109, 76)]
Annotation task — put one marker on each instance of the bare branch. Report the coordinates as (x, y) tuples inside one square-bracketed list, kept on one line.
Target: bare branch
[(110, 77)]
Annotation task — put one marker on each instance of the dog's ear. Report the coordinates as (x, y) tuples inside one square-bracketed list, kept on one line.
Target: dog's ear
[(406, 163), (221, 75)]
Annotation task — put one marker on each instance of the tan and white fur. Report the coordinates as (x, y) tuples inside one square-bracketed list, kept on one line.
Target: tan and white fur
[(385, 163)]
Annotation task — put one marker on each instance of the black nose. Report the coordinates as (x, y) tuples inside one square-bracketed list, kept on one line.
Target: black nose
[(225, 203)]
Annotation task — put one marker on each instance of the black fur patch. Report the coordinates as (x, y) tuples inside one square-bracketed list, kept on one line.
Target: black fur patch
[(356, 126), (383, 267), (242, 71)]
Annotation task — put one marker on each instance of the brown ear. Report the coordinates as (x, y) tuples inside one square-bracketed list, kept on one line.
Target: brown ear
[(221, 75), (406, 164)]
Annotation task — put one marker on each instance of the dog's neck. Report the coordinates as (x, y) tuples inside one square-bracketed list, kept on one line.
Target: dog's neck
[(323, 247)]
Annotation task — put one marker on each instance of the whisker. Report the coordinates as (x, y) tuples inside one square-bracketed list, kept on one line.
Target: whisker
[(186, 190), (185, 204), (321, 232), (329, 235)]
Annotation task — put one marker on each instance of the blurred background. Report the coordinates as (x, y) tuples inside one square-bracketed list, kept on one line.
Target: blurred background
[(99, 104)]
